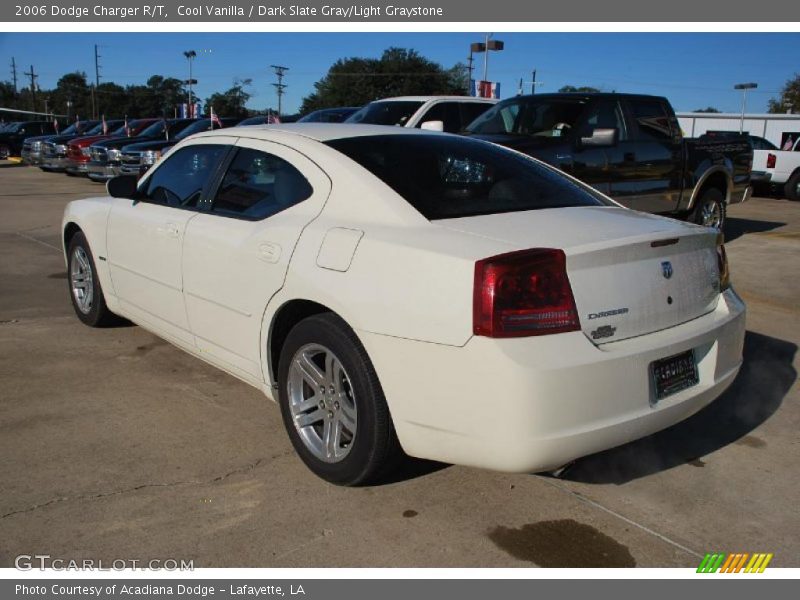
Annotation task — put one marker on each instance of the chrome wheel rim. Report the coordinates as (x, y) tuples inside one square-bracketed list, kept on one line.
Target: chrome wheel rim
[(711, 215), (82, 281), (322, 403)]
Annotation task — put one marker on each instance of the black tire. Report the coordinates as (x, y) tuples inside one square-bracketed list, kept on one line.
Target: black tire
[(375, 450), (711, 202), (5, 152), (97, 314), (792, 188)]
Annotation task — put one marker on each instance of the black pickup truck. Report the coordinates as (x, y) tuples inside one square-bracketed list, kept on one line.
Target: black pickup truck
[(629, 147)]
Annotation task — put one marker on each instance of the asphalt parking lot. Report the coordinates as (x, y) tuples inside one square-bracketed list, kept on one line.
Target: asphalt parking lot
[(116, 445)]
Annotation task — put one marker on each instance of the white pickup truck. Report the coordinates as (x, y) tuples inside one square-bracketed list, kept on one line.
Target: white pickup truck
[(778, 168)]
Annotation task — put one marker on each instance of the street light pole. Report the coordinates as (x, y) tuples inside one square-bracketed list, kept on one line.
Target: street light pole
[(744, 87), (190, 56)]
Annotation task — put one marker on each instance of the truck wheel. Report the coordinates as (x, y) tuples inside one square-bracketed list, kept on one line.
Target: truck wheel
[(332, 403), (710, 209), (5, 152), (792, 188)]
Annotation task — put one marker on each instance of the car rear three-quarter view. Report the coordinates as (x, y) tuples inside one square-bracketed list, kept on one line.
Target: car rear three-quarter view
[(400, 289)]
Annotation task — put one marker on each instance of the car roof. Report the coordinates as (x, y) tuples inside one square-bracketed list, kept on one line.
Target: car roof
[(585, 96), (321, 132), (427, 98)]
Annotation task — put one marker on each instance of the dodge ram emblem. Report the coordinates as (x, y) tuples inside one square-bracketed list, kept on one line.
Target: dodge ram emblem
[(666, 269)]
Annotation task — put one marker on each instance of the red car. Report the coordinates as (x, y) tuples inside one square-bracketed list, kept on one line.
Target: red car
[(78, 149)]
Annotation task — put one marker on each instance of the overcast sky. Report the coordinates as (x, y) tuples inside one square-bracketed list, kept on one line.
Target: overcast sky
[(692, 70)]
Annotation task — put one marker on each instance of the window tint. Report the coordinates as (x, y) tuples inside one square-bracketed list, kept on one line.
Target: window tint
[(180, 180), (258, 185), (447, 113), (652, 119), (447, 177), (529, 116), (471, 111), (385, 113), (606, 114)]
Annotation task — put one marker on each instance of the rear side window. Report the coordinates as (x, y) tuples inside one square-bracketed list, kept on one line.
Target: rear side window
[(258, 185), (447, 177), (180, 180), (652, 119)]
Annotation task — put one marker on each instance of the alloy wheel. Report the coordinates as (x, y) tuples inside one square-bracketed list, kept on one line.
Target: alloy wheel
[(82, 280)]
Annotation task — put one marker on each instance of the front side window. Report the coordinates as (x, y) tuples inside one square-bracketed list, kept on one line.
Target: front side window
[(529, 116), (385, 113), (607, 114), (179, 181), (447, 177), (258, 185), (447, 113)]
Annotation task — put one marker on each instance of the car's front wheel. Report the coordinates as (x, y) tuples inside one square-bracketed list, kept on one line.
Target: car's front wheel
[(710, 209), (332, 403), (84, 286)]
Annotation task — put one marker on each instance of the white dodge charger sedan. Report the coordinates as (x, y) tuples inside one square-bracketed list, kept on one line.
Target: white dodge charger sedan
[(395, 289)]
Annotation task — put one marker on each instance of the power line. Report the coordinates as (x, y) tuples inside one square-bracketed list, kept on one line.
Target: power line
[(280, 86)]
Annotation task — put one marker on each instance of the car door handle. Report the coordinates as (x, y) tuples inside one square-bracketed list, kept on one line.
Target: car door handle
[(269, 252), (170, 230)]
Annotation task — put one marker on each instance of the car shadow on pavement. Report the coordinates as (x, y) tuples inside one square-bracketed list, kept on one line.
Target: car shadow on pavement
[(736, 228), (755, 395)]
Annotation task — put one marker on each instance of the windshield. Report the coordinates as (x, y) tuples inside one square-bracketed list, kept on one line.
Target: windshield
[(200, 126), (96, 130), (385, 113), (447, 177), (529, 116), (155, 130)]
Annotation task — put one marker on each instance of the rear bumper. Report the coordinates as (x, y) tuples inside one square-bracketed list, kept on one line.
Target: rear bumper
[(760, 177), (98, 172), (534, 404)]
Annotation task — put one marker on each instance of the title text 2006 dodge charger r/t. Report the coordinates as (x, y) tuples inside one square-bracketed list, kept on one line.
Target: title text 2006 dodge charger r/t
[(395, 288)]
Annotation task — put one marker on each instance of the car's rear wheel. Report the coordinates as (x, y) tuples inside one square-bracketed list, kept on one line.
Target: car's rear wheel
[(332, 403), (792, 188), (84, 286), (710, 209), (5, 152)]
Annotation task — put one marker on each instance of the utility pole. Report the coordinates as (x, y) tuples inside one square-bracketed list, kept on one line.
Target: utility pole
[(533, 82), (280, 86), (32, 74), (14, 73), (96, 111)]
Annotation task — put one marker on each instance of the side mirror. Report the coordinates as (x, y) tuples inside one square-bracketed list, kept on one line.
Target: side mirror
[(122, 186), (433, 125), (601, 138)]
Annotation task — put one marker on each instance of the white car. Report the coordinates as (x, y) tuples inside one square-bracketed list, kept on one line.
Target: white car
[(779, 168), (450, 114), (395, 288)]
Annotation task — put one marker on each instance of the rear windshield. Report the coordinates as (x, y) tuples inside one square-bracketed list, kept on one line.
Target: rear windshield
[(385, 113), (446, 177)]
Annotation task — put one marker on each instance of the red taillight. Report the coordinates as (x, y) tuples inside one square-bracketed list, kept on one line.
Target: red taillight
[(523, 293), (771, 160)]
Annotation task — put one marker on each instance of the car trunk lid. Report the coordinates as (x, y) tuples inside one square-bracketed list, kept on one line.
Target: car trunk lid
[(631, 273)]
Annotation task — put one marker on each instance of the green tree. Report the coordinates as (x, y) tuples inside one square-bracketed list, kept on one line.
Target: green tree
[(789, 98), (232, 102), (398, 72), (707, 109), (584, 89), (71, 96)]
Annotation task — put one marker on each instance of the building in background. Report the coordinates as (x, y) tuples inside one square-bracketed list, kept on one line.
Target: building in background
[(776, 128)]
